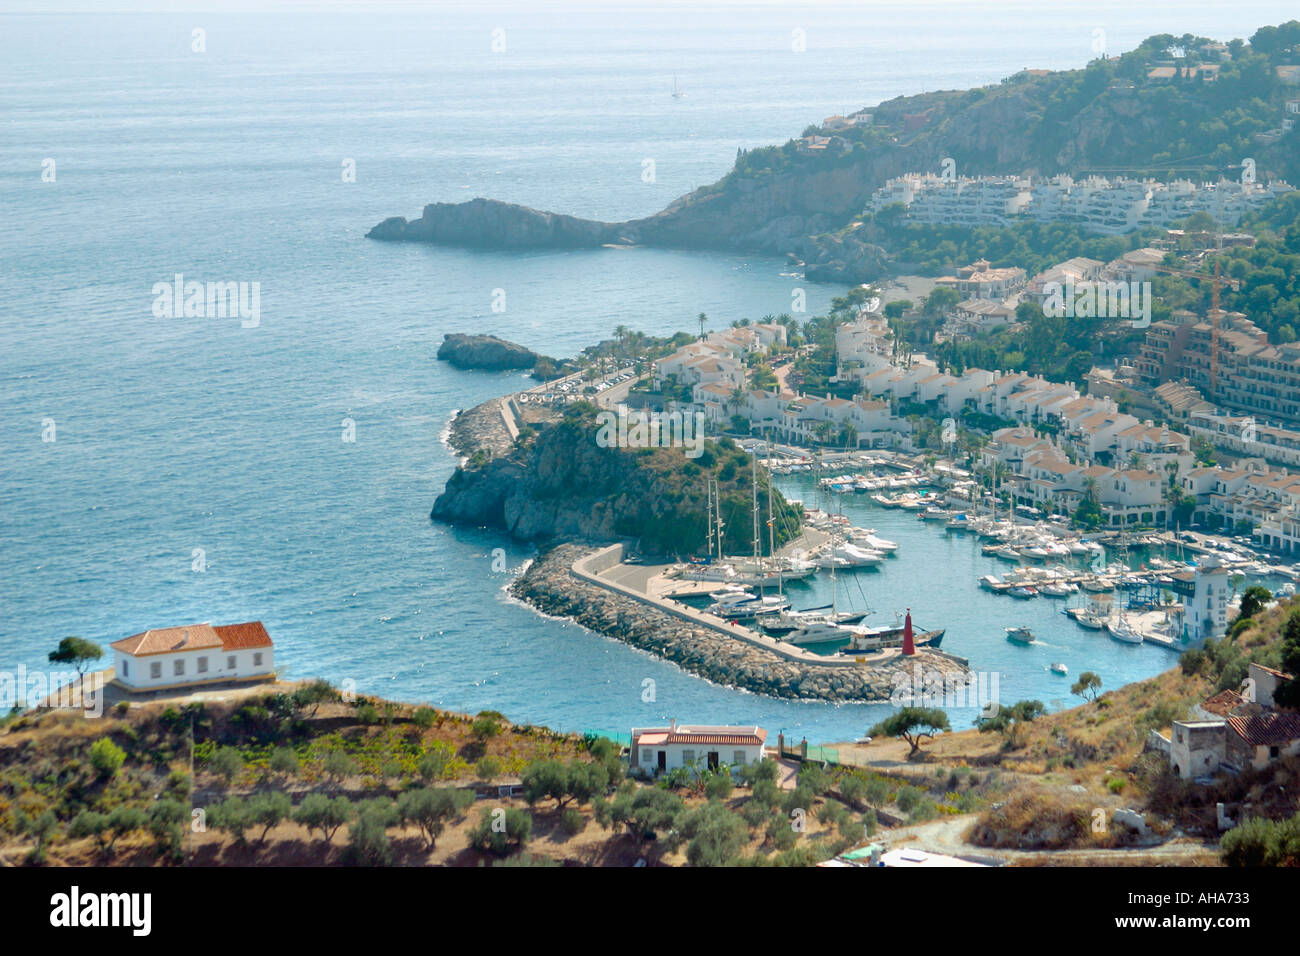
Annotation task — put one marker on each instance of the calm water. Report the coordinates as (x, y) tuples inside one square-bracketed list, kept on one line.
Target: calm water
[(185, 439)]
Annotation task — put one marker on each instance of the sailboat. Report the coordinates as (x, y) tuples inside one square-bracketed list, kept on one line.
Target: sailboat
[(677, 94)]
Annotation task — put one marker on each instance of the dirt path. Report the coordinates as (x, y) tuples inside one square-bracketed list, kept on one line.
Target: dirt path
[(948, 836)]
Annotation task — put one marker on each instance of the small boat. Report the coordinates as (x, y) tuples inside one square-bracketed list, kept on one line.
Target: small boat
[(1020, 635), (1023, 592), (1057, 589), (990, 582), (677, 94), (1059, 668)]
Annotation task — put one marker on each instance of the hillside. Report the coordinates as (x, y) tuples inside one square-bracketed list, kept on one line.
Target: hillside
[(1064, 766)]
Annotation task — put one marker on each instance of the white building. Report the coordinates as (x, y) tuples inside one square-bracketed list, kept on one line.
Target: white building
[(171, 657), (698, 747), (1206, 608)]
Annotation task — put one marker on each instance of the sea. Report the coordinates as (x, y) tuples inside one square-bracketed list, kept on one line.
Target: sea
[(280, 464)]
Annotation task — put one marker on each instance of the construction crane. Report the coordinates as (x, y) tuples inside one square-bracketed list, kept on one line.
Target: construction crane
[(1216, 313)]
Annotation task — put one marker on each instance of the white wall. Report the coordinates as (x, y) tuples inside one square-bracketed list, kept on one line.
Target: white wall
[(137, 672)]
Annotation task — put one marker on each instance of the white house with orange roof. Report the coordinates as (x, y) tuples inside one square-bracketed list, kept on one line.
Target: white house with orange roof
[(695, 747), (193, 655)]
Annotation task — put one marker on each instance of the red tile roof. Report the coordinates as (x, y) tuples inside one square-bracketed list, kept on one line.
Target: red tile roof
[(1268, 729), (195, 637), (239, 637)]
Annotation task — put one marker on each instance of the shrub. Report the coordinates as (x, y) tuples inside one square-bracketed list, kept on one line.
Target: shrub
[(1260, 842), (718, 786), (106, 757)]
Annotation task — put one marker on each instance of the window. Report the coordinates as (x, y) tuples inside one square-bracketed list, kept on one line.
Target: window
[(257, 659), (155, 669), (688, 757), (738, 758), (647, 755), (230, 662), (126, 668), (203, 665), (178, 667)]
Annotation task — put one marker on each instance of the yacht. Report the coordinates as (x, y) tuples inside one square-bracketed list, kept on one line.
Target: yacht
[(873, 542), (821, 632), (1020, 635), (854, 556), (744, 610), (1122, 631), (784, 622)]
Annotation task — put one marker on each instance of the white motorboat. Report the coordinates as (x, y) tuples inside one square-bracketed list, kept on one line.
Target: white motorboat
[(854, 556), (1058, 668), (823, 632), (743, 610), (1020, 635), (873, 542), (732, 595)]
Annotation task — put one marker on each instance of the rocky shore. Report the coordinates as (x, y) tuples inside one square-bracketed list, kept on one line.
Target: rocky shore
[(549, 586), (480, 428)]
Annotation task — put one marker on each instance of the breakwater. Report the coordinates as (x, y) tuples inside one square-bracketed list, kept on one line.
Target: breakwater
[(550, 586)]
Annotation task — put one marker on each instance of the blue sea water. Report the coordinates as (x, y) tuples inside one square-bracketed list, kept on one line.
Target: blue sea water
[(183, 443)]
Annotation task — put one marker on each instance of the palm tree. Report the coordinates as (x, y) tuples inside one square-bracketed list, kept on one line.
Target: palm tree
[(703, 319)]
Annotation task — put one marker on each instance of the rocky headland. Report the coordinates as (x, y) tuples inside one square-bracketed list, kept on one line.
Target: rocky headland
[(807, 199), (563, 482), (549, 585)]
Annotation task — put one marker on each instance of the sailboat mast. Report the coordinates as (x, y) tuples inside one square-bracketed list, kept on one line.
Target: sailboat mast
[(708, 520)]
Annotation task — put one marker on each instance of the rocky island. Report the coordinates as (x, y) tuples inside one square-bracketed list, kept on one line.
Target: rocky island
[(485, 352)]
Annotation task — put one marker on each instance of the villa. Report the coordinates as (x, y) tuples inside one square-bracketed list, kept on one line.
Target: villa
[(173, 657), (658, 749)]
